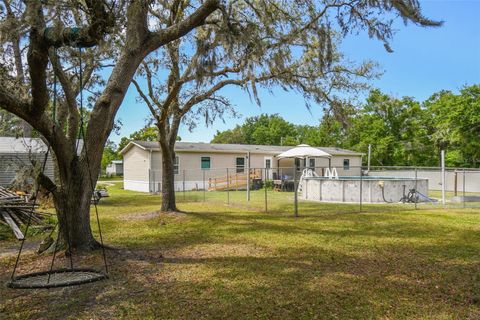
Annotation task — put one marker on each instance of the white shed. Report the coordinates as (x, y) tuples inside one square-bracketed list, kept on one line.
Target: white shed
[(115, 168)]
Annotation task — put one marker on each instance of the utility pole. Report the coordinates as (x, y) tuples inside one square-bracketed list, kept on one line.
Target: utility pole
[(369, 155)]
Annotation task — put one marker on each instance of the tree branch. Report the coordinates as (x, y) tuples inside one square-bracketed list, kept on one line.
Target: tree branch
[(161, 37), (146, 100), (37, 58), (101, 21)]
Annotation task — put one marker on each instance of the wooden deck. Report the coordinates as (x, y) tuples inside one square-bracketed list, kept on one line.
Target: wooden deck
[(235, 181)]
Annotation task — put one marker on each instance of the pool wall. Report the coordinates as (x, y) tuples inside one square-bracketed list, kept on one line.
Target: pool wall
[(347, 189)]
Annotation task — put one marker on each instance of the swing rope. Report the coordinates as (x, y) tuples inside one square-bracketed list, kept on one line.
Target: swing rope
[(92, 184), (54, 117), (63, 277)]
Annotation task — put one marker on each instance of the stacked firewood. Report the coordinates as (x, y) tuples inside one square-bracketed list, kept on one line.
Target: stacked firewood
[(15, 210)]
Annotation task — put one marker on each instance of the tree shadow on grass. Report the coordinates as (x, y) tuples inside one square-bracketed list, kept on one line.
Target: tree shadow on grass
[(309, 282), (229, 264)]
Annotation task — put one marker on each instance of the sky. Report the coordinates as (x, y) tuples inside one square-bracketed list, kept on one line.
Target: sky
[(424, 61)]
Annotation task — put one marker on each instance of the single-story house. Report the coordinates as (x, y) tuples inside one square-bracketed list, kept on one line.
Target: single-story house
[(114, 168), (17, 153), (197, 164)]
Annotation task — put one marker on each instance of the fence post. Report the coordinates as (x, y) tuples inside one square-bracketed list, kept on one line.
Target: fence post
[(455, 182), (204, 190), (464, 177), (248, 184), (295, 196), (183, 184), (442, 155), (228, 188), (361, 188), (416, 186), (265, 187)]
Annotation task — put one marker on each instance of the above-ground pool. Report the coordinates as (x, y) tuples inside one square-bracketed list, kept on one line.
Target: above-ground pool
[(347, 189)]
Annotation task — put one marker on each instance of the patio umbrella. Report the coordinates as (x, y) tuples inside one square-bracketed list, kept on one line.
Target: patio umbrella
[(303, 151)]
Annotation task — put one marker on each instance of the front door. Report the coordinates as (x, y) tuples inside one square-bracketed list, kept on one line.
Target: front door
[(267, 163)]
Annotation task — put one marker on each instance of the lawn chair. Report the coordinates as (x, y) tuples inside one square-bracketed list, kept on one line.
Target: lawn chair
[(99, 194)]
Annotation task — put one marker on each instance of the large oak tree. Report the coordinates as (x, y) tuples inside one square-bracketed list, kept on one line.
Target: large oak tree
[(119, 35), (45, 38), (250, 44)]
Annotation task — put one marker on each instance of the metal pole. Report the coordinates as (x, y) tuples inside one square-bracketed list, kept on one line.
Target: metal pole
[(416, 186), (248, 176), (228, 188), (464, 177), (442, 155), (369, 156), (361, 188), (455, 183), (204, 190), (295, 197), (265, 187), (184, 184)]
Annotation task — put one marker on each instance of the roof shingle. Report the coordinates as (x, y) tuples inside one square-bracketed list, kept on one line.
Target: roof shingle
[(236, 148)]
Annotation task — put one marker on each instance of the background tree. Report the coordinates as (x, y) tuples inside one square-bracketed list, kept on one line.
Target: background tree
[(12, 31), (454, 125), (402, 131), (117, 34), (394, 128), (263, 43), (147, 133), (109, 154)]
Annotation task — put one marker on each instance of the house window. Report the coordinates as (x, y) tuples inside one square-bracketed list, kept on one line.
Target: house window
[(205, 162), (240, 164), (311, 163), (175, 165), (346, 164)]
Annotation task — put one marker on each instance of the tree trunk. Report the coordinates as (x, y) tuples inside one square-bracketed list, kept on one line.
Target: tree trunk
[(168, 178), (72, 203)]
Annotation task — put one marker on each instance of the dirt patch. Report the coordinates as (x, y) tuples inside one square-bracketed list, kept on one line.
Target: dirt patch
[(153, 215), (12, 250)]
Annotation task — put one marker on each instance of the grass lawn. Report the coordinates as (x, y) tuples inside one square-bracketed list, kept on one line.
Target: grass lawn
[(238, 262)]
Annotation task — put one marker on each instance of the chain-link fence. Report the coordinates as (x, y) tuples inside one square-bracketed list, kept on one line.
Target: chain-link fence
[(304, 191)]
